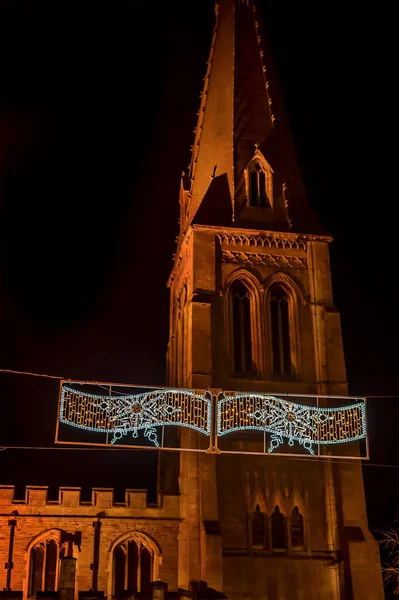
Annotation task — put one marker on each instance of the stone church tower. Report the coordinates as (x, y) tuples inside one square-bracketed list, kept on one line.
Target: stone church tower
[(251, 309)]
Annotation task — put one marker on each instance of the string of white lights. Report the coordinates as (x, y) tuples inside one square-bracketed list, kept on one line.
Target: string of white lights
[(281, 417), (120, 415)]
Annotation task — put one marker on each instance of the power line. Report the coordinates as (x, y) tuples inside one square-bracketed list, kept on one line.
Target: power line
[(382, 396), (79, 448), (31, 374), (60, 378), (86, 449), (84, 382), (364, 461)]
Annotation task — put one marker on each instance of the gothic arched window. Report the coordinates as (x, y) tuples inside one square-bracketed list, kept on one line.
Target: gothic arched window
[(280, 330), (258, 186), (44, 565), (278, 530), (133, 566), (297, 537), (242, 343), (258, 529)]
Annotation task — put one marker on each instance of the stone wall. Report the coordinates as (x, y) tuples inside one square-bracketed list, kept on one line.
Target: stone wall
[(36, 515)]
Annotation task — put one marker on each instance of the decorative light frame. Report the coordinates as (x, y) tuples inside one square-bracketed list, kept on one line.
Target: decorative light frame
[(283, 418), (134, 412), (214, 414)]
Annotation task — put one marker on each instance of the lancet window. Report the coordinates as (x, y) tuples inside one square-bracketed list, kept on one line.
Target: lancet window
[(276, 533), (258, 529), (278, 530), (133, 568), (242, 342), (297, 536), (280, 330), (44, 565), (259, 186)]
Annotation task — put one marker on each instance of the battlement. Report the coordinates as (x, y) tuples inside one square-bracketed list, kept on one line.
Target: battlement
[(102, 500)]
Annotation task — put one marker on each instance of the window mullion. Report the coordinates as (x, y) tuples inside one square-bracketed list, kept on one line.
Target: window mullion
[(126, 573), (43, 584), (139, 549), (57, 567)]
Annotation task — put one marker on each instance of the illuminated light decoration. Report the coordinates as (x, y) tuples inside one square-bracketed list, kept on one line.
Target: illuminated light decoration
[(137, 412), (284, 419), (122, 414)]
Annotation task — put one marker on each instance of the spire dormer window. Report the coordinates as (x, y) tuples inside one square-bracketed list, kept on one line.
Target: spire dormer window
[(257, 187), (259, 182)]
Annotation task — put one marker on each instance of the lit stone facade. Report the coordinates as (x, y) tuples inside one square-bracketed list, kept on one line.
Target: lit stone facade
[(251, 309), (338, 555), (40, 521)]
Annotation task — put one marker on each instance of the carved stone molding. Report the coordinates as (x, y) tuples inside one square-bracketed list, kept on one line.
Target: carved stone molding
[(289, 241), (264, 260)]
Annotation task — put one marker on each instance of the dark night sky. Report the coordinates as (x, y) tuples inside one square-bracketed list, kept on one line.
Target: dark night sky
[(97, 114)]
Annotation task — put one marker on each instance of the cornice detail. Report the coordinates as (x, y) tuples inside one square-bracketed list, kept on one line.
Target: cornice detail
[(268, 241), (264, 260)]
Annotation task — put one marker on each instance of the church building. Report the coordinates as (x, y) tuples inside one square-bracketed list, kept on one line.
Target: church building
[(251, 310)]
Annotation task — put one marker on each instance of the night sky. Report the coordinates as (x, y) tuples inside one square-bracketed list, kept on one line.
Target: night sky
[(98, 107)]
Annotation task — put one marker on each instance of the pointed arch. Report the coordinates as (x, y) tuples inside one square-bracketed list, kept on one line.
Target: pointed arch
[(243, 317), (52, 533), (134, 558), (259, 181), (286, 280), (283, 297), (249, 277)]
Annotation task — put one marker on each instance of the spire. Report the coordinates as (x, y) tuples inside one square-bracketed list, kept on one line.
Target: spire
[(243, 168)]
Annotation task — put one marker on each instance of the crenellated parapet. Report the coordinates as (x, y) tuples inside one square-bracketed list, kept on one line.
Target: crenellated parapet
[(70, 501)]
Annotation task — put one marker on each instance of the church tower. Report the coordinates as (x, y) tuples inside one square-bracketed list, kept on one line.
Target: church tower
[(251, 309)]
